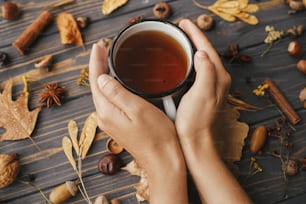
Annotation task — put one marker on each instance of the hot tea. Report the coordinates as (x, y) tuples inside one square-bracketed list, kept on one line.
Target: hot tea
[(151, 62)]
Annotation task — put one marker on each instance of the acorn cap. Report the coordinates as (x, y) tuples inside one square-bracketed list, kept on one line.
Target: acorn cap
[(113, 147)]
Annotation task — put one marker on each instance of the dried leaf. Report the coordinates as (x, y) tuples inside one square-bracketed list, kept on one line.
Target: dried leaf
[(73, 133), (230, 134), (251, 8), (60, 3), (69, 30), (247, 18), (67, 147), (88, 134), (225, 16), (231, 11), (243, 3), (226, 4), (142, 187), (16, 119), (109, 6)]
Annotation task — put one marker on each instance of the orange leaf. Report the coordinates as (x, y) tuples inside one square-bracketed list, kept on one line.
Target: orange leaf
[(16, 119), (69, 30)]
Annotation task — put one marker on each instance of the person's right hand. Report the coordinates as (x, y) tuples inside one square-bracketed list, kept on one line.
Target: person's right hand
[(199, 106)]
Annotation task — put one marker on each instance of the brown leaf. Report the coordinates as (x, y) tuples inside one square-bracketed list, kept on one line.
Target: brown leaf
[(88, 134), (230, 134), (69, 30), (142, 187), (16, 119), (73, 133), (109, 6), (67, 147)]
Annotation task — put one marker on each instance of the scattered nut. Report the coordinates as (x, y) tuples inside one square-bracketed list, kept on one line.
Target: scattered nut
[(9, 169), (4, 58), (115, 201), (302, 97), (301, 66), (82, 21), (295, 48), (295, 31), (113, 147), (101, 200), (205, 22), (63, 192), (162, 10), (109, 164), (296, 5), (258, 139), (44, 62), (10, 11), (290, 167), (300, 29)]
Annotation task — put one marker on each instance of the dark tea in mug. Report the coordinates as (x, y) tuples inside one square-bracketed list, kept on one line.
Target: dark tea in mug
[(151, 62)]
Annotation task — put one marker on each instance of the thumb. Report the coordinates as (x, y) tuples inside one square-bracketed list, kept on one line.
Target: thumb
[(205, 82)]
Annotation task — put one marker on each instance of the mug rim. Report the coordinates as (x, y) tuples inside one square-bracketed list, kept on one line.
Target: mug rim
[(141, 93)]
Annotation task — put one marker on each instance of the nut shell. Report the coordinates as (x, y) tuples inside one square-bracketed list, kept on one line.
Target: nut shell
[(9, 169), (113, 147), (258, 139), (205, 22), (109, 164), (162, 10), (10, 11), (301, 66)]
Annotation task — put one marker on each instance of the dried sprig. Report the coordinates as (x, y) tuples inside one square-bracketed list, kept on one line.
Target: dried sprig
[(83, 79), (232, 9), (60, 3), (273, 35), (80, 147)]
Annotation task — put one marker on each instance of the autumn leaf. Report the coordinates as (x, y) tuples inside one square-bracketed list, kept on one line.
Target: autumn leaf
[(109, 6), (69, 30), (16, 119)]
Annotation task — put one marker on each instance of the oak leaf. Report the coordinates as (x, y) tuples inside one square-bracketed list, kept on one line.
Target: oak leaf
[(16, 119)]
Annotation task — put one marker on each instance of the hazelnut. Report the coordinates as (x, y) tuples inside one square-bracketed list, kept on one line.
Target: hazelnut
[(301, 66), (205, 22), (113, 147), (294, 48), (10, 11), (109, 164), (296, 5), (302, 97), (162, 10), (82, 21), (290, 167), (9, 169)]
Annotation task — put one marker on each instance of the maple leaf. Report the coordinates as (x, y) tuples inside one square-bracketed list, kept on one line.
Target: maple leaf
[(16, 119)]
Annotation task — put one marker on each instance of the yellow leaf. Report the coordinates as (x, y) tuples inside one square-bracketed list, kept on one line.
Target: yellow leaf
[(88, 134), (251, 8), (109, 6), (224, 16), (227, 4), (73, 133), (247, 18), (243, 3), (231, 11), (67, 147)]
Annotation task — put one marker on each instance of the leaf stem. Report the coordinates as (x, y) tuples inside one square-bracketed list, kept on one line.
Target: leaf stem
[(198, 4), (36, 188)]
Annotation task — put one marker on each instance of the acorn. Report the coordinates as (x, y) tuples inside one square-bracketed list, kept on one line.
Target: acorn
[(9, 169), (63, 192)]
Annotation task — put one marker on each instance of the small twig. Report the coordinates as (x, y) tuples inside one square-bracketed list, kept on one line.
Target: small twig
[(60, 3), (36, 188), (196, 3)]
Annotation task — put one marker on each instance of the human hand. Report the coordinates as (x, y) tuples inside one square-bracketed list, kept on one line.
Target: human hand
[(198, 108)]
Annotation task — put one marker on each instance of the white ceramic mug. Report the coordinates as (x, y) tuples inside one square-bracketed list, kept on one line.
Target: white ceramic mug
[(169, 29)]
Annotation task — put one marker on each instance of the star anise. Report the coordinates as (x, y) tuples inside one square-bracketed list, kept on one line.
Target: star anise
[(53, 93), (234, 55)]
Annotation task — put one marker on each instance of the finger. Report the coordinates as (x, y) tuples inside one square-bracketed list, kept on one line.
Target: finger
[(201, 42), (118, 95), (205, 82)]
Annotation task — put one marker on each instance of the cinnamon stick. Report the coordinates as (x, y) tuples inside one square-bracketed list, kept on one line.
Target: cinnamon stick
[(30, 34), (282, 102)]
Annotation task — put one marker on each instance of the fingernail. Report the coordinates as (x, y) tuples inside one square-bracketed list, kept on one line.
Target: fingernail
[(103, 79), (201, 54)]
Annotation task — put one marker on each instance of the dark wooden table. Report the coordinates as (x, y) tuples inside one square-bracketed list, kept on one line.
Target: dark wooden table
[(266, 187)]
